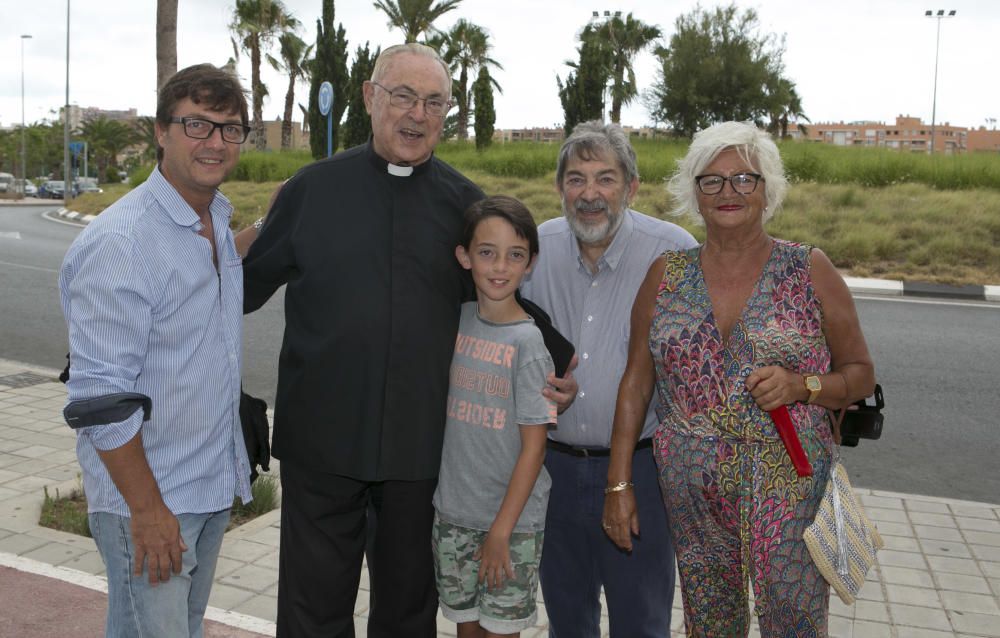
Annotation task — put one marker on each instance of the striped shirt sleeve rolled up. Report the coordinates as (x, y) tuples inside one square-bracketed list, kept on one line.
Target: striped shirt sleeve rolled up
[(148, 311)]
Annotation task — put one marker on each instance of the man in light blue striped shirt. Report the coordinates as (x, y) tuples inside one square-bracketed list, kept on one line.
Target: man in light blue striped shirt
[(152, 292)]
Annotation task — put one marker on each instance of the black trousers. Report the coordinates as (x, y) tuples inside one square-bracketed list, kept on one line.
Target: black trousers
[(323, 537)]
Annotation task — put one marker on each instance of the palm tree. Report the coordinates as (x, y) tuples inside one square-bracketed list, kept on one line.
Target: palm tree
[(255, 24), (623, 39), (466, 50), (295, 61), (106, 139), (414, 17), (166, 41), (144, 128), (785, 105)]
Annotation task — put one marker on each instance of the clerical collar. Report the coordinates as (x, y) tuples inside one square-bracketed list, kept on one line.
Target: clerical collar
[(399, 171)]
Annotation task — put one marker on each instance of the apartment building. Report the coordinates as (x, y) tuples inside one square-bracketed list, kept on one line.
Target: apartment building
[(908, 134)]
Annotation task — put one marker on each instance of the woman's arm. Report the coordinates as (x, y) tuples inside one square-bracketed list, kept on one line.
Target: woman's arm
[(852, 373), (635, 390), (495, 565)]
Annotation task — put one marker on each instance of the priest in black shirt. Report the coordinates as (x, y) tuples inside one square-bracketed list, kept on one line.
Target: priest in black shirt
[(365, 243)]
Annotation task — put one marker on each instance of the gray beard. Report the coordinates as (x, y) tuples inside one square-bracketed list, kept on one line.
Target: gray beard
[(595, 233)]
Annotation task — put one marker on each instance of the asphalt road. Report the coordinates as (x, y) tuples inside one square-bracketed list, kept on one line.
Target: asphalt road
[(935, 359)]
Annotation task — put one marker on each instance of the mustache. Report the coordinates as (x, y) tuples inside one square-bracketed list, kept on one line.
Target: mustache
[(591, 207)]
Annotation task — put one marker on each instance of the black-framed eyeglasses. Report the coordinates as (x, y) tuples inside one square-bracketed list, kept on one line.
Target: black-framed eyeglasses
[(201, 129), (742, 183), (435, 106)]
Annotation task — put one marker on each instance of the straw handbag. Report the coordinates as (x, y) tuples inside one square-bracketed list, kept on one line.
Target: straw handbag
[(841, 539)]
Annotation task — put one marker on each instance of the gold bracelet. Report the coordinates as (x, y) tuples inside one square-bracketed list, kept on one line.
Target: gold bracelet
[(621, 487)]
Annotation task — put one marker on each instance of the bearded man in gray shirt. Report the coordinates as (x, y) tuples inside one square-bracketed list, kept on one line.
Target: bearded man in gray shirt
[(590, 266)]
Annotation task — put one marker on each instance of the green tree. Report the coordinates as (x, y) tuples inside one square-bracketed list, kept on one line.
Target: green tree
[(785, 105), (486, 116), (358, 125), (414, 17), (105, 139), (466, 49), (582, 96), (144, 129), (329, 65), (716, 67), (295, 62), (255, 25), (623, 39), (166, 41)]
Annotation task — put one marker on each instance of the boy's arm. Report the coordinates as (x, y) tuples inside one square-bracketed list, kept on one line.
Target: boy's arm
[(494, 555)]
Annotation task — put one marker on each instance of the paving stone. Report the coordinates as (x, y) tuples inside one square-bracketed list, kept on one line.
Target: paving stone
[(89, 562), (977, 624), (879, 514), (932, 532), (990, 569), (907, 595), (250, 577), (982, 538), (913, 616), (962, 582), (226, 597), (244, 551), (869, 500), (976, 603), (906, 576), (978, 524), (919, 632), (871, 611), (901, 559), (974, 512), (840, 627), (986, 552), (900, 543), (934, 547), (929, 507), (894, 529), (55, 553), (953, 565), (867, 629), (265, 607), (20, 544), (938, 520), (838, 608)]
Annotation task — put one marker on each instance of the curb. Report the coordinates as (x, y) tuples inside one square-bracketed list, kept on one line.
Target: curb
[(881, 287)]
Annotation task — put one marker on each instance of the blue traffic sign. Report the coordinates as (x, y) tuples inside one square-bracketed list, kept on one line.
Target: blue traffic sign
[(325, 98)]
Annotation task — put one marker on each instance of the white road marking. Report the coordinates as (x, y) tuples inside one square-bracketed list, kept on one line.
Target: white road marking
[(10, 235)]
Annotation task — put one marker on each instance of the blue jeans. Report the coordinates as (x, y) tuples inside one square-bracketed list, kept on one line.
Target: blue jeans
[(172, 609), (578, 558)]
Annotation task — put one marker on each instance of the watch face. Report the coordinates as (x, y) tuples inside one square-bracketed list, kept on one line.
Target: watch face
[(813, 384)]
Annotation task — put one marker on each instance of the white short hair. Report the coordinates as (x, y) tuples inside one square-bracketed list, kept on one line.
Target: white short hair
[(413, 48), (753, 145)]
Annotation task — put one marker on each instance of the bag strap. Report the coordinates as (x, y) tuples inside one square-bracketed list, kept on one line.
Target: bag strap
[(836, 418)]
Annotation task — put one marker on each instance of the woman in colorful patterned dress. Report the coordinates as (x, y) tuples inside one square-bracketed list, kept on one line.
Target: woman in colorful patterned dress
[(727, 331)]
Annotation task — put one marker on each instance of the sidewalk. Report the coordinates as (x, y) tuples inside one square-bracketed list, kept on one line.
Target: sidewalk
[(938, 577)]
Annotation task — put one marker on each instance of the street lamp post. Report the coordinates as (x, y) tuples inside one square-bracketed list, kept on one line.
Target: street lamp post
[(67, 167), (939, 15), (24, 152)]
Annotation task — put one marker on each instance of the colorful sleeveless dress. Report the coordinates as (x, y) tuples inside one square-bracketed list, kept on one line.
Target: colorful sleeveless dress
[(737, 508)]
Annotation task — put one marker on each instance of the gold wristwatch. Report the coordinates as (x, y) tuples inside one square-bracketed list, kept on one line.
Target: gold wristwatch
[(814, 387)]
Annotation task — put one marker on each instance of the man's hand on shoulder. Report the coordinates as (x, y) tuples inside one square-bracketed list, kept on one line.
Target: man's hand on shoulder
[(563, 389)]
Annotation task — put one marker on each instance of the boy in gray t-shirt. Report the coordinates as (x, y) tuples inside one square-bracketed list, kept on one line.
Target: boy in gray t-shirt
[(493, 490)]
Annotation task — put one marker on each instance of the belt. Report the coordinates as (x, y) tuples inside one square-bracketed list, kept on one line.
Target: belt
[(573, 450)]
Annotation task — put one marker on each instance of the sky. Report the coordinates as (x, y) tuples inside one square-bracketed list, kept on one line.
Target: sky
[(851, 60)]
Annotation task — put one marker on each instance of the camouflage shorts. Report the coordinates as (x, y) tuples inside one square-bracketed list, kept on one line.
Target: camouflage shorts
[(507, 610)]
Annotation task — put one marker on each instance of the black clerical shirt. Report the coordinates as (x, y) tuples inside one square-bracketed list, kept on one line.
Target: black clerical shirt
[(371, 312)]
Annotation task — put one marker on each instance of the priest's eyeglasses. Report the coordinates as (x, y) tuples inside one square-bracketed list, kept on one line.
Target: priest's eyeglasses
[(435, 106), (202, 129), (742, 183)]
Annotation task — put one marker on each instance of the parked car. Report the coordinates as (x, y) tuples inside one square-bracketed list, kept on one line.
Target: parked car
[(27, 187), (87, 185), (6, 179), (52, 189)]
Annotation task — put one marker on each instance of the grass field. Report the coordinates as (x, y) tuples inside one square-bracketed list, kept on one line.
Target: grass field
[(875, 213)]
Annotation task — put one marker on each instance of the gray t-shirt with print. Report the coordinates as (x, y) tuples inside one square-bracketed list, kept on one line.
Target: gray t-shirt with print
[(497, 375)]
